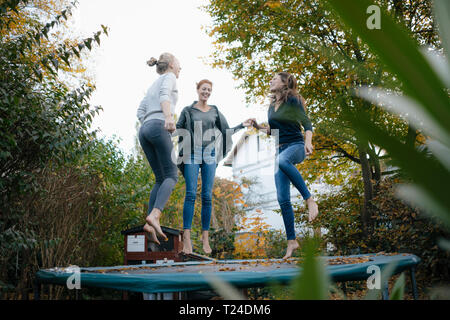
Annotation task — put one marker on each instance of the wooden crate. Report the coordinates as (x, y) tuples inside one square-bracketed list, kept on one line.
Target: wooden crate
[(138, 249)]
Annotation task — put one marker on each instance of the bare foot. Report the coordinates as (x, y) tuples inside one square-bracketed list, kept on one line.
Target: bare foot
[(152, 233), (153, 220), (313, 209), (205, 240), (187, 245), (292, 246)]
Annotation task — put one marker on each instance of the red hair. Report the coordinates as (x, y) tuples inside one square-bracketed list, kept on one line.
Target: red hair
[(203, 82)]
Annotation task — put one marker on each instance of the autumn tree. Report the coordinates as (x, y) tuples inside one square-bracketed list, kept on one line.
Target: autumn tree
[(44, 119), (255, 39)]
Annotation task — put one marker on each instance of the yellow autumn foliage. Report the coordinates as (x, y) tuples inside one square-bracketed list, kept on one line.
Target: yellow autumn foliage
[(251, 244)]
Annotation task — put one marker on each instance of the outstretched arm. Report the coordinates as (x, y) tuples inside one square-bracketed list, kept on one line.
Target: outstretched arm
[(246, 124), (265, 128), (224, 124), (237, 128), (309, 148)]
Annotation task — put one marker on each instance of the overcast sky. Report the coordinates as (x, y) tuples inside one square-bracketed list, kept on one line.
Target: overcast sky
[(139, 30)]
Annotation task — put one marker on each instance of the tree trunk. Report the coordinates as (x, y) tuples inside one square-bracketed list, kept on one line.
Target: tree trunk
[(368, 188), (375, 162), (411, 136)]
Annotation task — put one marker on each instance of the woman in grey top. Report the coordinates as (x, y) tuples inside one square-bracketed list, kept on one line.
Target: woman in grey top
[(206, 140), (156, 116)]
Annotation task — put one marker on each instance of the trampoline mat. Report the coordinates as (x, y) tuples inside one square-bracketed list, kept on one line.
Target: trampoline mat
[(190, 276)]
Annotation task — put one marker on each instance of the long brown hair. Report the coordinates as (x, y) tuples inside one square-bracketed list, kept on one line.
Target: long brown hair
[(290, 89)]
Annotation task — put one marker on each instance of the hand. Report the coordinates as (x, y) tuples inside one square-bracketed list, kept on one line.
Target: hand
[(263, 128), (169, 124), (266, 130), (249, 122), (309, 148)]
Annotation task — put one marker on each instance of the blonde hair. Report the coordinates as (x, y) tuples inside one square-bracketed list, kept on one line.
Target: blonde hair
[(162, 64)]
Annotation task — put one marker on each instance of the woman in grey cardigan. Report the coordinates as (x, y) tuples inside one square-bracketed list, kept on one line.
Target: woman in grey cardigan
[(205, 138), (156, 116)]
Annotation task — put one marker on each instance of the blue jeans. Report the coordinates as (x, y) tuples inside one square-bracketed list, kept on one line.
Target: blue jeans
[(158, 147), (207, 164), (285, 172)]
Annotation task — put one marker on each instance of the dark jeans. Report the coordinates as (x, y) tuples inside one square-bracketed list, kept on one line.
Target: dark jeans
[(158, 147), (285, 172), (206, 163)]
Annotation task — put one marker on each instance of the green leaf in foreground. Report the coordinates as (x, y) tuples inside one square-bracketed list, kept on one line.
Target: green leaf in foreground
[(442, 13), (386, 274), (399, 288), (422, 170), (226, 290), (400, 54), (313, 281)]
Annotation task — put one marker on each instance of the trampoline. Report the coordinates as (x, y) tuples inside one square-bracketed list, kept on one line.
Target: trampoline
[(190, 276)]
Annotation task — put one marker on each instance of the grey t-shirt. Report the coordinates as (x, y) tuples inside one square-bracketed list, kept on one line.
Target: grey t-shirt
[(204, 121)]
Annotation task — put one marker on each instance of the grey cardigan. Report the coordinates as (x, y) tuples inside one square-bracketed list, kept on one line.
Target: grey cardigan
[(185, 122)]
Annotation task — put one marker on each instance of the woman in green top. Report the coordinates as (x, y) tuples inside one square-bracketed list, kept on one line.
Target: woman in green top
[(287, 115)]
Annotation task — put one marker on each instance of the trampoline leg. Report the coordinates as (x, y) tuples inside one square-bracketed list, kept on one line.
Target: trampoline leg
[(37, 290), (344, 288), (385, 292), (413, 282)]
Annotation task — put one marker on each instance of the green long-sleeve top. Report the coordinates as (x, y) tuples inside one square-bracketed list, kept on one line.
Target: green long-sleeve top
[(288, 119)]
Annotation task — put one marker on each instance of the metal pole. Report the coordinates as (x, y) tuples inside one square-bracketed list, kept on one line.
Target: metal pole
[(385, 292), (413, 282), (37, 290)]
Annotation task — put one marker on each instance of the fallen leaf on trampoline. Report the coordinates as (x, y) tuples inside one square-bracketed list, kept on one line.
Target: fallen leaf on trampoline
[(350, 260), (227, 269)]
